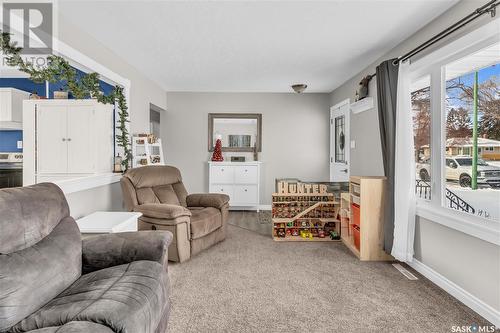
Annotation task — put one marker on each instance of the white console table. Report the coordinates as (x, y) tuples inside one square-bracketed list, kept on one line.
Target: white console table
[(239, 180), (108, 222)]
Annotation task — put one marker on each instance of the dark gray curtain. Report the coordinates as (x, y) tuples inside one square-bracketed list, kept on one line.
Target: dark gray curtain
[(387, 84)]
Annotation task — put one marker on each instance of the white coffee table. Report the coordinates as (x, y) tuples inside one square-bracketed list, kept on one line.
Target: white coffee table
[(108, 222)]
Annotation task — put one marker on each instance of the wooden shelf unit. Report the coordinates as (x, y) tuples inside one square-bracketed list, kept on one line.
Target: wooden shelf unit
[(146, 153), (368, 194), (304, 212)]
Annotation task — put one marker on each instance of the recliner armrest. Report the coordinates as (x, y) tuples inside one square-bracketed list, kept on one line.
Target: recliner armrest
[(215, 200), (162, 211), (110, 250)]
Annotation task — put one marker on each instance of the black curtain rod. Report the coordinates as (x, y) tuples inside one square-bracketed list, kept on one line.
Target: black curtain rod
[(489, 7)]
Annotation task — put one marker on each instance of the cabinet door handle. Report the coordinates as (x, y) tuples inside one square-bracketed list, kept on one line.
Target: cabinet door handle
[(64, 139), (246, 190), (221, 169), (69, 139), (246, 170), (222, 190)]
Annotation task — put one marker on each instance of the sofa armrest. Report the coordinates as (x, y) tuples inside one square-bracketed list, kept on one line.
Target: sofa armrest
[(215, 200), (162, 211), (109, 250)]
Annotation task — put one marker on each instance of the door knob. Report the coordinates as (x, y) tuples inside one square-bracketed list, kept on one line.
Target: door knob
[(345, 170)]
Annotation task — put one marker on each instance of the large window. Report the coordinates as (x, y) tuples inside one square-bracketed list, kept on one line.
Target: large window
[(472, 171), (455, 100)]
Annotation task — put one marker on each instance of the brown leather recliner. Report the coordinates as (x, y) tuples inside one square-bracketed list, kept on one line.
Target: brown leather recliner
[(197, 221)]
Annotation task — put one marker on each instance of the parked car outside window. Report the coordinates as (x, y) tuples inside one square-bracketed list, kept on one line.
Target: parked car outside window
[(459, 169)]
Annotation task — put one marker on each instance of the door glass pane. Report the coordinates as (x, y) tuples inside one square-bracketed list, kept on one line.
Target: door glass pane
[(340, 139), (421, 112), (472, 153)]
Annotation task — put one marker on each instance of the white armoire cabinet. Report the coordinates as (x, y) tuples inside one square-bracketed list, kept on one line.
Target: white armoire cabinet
[(65, 139), (239, 180)]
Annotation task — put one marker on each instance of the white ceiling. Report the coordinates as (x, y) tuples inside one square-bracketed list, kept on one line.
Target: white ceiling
[(251, 46)]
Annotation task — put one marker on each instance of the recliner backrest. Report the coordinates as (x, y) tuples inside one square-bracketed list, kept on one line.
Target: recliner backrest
[(40, 250), (29, 214), (153, 184)]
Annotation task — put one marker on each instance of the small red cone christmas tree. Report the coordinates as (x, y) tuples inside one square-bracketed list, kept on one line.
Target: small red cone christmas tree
[(217, 155)]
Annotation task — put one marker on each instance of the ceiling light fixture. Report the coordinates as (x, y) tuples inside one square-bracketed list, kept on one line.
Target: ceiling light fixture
[(299, 88)]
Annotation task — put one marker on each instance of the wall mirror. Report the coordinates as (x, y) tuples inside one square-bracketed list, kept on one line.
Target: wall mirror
[(239, 132)]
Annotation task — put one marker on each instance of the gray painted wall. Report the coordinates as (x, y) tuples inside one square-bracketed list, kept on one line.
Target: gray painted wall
[(102, 198), (469, 262), (295, 135), (142, 92)]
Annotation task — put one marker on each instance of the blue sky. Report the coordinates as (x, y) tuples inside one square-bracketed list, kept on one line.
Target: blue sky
[(468, 79)]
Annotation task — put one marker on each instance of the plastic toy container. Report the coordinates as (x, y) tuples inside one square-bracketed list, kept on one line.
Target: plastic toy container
[(356, 214), (356, 236)]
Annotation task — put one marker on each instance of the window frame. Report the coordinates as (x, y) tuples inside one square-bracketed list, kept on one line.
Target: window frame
[(434, 64)]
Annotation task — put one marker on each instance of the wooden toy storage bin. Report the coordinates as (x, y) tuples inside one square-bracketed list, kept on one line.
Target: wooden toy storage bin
[(296, 214)]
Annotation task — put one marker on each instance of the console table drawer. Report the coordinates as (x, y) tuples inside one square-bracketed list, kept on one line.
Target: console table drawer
[(245, 194), (221, 174), (246, 174), (224, 189)]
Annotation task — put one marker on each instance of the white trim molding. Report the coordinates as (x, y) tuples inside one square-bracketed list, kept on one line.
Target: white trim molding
[(85, 183), (471, 225), (483, 309), (259, 207)]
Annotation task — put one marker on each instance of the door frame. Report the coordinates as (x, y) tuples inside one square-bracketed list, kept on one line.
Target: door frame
[(348, 143)]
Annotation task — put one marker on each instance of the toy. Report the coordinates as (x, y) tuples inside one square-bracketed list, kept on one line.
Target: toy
[(281, 232), (334, 235), (289, 224), (295, 232), (321, 233), (329, 227), (288, 232), (306, 234), (304, 223)]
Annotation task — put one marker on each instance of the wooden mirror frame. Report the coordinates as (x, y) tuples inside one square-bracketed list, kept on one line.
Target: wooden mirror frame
[(212, 116)]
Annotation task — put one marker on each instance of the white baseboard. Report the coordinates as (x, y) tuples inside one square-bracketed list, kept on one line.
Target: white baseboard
[(485, 310), (260, 207)]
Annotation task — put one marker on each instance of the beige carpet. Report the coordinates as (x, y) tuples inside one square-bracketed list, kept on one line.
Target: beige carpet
[(248, 283)]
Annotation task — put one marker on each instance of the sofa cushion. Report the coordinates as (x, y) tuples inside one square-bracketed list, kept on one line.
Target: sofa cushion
[(162, 211), (204, 220), (158, 183), (32, 277), (129, 298), (75, 327), (166, 194)]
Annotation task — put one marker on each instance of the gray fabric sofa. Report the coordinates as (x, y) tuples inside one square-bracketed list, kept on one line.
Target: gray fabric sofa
[(52, 281), (197, 221)]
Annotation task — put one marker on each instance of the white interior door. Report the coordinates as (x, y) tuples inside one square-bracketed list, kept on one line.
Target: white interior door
[(339, 142), (52, 148)]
